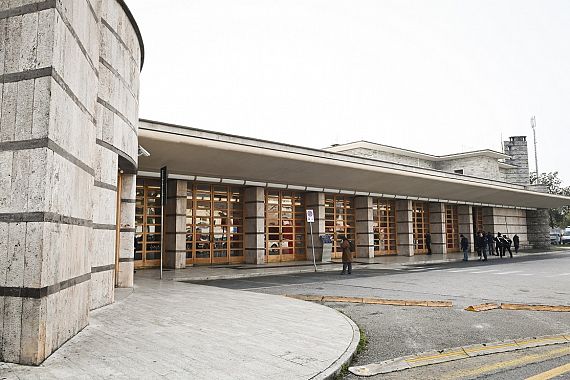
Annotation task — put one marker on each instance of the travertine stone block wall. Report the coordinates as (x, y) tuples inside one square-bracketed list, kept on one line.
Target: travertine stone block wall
[(437, 227), (465, 222), (506, 221), (391, 157), (57, 186), (316, 202), (538, 228), (175, 229), (254, 227), (364, 226), (516, 147), (480, 166), (404, 228)]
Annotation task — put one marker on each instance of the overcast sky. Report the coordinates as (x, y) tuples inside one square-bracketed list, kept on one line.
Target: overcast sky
[(435, 76)]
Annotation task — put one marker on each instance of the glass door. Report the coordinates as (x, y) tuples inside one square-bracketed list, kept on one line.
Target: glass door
[(214, 224), (148, 224), (339, 220), (452, 228), (420, 215), (284, 226), (384, 225)]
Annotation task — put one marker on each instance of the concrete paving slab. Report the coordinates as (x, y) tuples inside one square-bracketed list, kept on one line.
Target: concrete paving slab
[(168, 329)]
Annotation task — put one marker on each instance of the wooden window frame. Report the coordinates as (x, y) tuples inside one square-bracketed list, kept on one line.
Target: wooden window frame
[(389, 222), (146, 185), (297, 224), (420, 218), (452, 228), (347, 216)]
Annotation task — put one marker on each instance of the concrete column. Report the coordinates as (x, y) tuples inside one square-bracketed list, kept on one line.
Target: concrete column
[(465, 218), (405, 228), (538, 228), (489, 220), (315, 202), (125, 272), (364, 226), (254, 228), (437, 228), (175, 228)]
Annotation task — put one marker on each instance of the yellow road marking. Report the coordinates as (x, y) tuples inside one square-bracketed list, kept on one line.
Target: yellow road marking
[(552, 373), (550, 338), (485, 348), (478, 371), (431, 357)]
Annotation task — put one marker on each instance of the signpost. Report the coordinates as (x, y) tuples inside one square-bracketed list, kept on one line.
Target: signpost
[(311, 220), (163, 182)]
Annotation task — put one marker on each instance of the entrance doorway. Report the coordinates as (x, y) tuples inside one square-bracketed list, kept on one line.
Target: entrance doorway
[(420, 215), (214, 224), (148, 222), (284, 226), (339, 220), (452, 228)]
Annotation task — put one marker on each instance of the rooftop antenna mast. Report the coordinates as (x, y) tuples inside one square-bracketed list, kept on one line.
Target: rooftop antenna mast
[(533, 126)]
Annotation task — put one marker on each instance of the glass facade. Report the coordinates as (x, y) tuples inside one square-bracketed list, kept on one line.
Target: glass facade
[(452, 228), (148, 223), (339, 220), (284, 226), (214, 224), (420, 217), (384, 225)]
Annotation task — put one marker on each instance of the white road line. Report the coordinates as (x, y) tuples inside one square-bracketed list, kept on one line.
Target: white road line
[(525, 274), (462, 270), (511, 272), (416, 270), (487, 271)]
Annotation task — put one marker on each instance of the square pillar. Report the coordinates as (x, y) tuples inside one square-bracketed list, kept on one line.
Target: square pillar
[(254, 228), (364, 226), (404, 228), (437, 228), (315, 202), (465, 219), (175, 227), (538, 228), (489, 220)]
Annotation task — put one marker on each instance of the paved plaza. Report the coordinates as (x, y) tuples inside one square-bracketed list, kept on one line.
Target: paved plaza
[(174, 330)]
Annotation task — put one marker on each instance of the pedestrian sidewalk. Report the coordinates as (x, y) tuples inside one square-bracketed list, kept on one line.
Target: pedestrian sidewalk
[(169, 329), (221, 272)]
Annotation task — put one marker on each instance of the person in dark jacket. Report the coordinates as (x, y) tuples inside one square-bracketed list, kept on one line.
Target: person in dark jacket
[(428, 243), (464, 247), (346, 256), (489, 239), (507, 245), (516, 242), (482, 245), (498, 245), (478, 244)]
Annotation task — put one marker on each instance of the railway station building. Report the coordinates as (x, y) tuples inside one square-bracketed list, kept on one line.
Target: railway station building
[(80, 206)]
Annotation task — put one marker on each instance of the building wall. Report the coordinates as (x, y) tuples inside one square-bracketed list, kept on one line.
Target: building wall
[(517, 148), (390, 157), (481, 166), (57, 190), (507, 221)]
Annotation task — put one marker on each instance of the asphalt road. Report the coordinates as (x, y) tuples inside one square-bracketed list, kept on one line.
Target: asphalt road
[(397, 331)]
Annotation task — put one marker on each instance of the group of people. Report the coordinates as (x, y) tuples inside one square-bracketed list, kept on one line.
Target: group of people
[(486, 243)]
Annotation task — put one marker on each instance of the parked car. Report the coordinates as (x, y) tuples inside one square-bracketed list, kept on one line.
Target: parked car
[(565, 239), (555, 238)]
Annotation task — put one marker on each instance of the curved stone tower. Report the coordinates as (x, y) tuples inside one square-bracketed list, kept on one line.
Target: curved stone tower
[(69, 83)]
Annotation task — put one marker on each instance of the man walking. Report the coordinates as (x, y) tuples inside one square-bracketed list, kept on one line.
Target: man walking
[(516, 242), (498, 245), (428, 243), (482, 245), (464, 247)]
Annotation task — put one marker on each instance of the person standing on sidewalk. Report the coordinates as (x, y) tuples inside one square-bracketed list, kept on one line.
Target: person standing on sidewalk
[(428, 243), (464, 247), (482, 245), (516, 242), (346, 256), (489, 240)]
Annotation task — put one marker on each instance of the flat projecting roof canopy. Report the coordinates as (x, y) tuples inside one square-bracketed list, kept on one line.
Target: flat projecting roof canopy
[(194, 152)]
